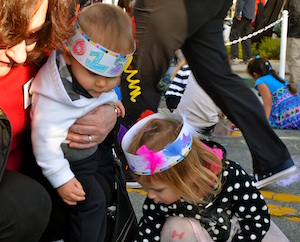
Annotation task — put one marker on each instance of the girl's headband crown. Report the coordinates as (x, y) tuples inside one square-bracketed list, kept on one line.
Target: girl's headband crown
[(95, 57), (148, 162)]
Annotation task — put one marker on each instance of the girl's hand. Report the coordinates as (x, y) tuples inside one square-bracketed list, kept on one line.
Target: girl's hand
[(92, 129), (71, 192), (120, 109)]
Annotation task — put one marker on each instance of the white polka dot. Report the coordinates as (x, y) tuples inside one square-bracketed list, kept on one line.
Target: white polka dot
[(228, 212), (237, 185), (140, 233), (216, 231), (212, 223), (253, 237), (235, 197), (157, 226), (152, 207), (257, 217), (148, 231), (197, 216), (225, 199), (247, 227), (224, 227), (219, 210), (225, 173), (246, 197), (229, 189), (253, 209), (264, 208), (257, 225), (162, 208), (166, 209), (261, 196), (145, 240), (150, 217), (240, 237), (247, 184), (156, 238), (181, 215), (241, 208), (237, 172), (266, 220), (263, 232), (227, 162), (145, 207), (248, 216), (189, 207), (221, 220), (254, 196), (174, 206), (243, 172)]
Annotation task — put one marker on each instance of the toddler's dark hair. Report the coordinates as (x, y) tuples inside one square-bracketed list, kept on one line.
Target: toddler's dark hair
[(262, 67)]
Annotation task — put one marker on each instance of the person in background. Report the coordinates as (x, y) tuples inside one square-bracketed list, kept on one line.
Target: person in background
[(193, 192), (29, 31), (179, 80), (242, 26), (67, 87), (281, 101), (196, 27), (293, 42), (200, 110)]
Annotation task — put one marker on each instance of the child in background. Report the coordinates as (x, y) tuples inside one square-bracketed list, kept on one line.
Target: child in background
[(179, 80), (194, 193), (281, 101), (73, 82)]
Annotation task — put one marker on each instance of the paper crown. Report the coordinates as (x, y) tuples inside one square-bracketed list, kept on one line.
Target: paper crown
[(95, 57), (148, 162)]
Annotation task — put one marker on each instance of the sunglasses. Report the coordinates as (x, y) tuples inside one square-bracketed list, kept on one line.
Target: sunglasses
[(31, 38), (35, 35)]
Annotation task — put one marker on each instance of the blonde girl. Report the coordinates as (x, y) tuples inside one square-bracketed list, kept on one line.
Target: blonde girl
[(194, 193)]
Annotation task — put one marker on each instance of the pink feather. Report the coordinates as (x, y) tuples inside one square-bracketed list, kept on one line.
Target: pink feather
[(155, 159)]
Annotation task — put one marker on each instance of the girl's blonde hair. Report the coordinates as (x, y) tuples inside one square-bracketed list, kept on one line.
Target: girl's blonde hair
[(109, 26), (192, 178)]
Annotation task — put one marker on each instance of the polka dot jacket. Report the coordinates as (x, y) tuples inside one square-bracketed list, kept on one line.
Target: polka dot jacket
[(238, 197)]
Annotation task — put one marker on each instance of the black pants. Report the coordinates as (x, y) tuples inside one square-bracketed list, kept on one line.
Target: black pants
[(241, 28), (25, 208), (88, 218), (197, 28)]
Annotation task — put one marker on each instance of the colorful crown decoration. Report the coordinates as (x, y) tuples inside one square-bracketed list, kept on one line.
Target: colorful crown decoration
[(148, 162), (94, 56)]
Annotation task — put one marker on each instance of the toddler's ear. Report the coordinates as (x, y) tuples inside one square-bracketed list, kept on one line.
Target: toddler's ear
[(67, 55)]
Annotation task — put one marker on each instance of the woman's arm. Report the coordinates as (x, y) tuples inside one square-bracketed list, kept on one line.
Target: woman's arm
[(97, 123), (267, 98)]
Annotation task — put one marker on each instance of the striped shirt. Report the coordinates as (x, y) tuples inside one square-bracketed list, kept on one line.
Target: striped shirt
[(179, 82)]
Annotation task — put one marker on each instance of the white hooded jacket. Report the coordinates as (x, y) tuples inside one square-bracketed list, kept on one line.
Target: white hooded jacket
[(52, 114)]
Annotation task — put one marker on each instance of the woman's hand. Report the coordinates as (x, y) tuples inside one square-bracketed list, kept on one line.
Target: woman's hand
[(92, 129)]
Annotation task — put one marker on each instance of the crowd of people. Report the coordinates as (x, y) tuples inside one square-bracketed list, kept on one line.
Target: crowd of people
[(60, 138)]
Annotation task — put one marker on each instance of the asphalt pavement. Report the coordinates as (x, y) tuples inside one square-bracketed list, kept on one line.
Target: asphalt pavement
[(282, 197)]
